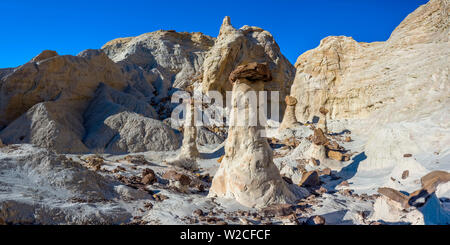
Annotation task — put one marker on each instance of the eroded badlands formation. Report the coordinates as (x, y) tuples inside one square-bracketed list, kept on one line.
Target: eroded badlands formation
[(364, 136)]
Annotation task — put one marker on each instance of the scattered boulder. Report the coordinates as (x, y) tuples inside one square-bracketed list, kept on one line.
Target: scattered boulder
[(175, 176), (277, 210), (433, 179), (316, 220), (395, 196), (407, 155), (198, 213), (336, 155), (310, 179), (348, 139), (326, 171), (319, 137), (136, 159), (405, 174), (148, 177), (333, 145), (94, 162)]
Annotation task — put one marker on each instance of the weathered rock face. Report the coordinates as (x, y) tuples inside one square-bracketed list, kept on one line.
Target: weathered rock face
[(130, 132), (109, 102), (164, 59), (65, 79), (353, 80), (207, 137), (247, 172), (235, 47), (50, 125)]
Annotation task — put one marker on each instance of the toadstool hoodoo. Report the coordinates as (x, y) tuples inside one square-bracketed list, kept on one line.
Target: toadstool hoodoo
[(247, 172)]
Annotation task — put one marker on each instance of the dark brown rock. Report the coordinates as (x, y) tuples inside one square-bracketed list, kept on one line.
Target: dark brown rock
[(252, 72), (319, 137), (323, 110), (407, 155), (198, 212), (395, 195), (326, 171), (433, 179), (333, 145), (310, 179), (290, 101), (277, 210), (336, 155), (149, 177), (316, 220), (405, 174), (174, 176)]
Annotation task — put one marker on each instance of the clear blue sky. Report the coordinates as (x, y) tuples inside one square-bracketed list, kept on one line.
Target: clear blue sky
[(68, 26)]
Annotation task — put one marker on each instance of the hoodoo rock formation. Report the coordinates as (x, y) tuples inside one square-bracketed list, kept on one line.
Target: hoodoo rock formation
[(317, 148), (247, 172), (248, 44), (289, 120), (322, 123), (189, 152)]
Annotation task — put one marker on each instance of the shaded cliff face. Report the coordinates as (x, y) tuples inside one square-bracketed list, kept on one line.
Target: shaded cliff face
[(235, 47), (356, 80), (71, 104)]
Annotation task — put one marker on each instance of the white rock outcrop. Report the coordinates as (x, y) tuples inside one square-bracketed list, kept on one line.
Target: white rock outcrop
[(164, 59), (354, 79), (49, 125)]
